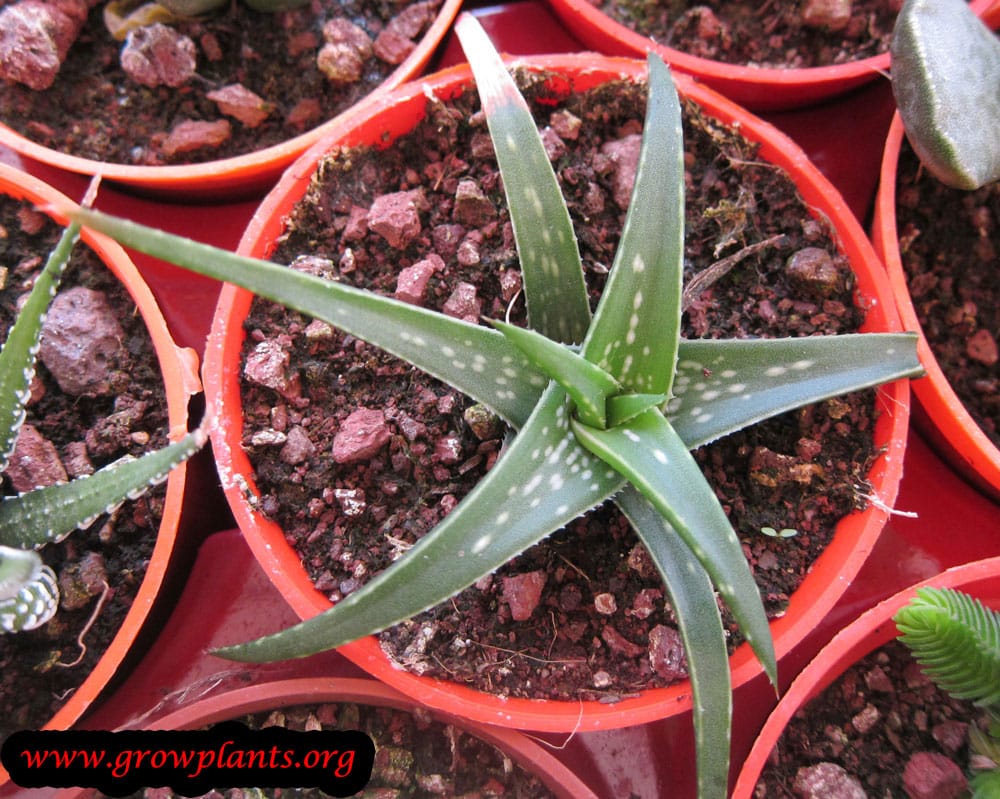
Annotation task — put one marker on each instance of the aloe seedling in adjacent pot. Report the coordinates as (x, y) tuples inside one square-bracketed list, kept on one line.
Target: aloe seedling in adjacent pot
[(956, 639), (605, 406), (29, 592)]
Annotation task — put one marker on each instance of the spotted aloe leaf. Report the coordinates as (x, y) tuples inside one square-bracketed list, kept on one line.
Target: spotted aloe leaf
[(17, 358), (654, 459), (29, 590), (725, 385), (692, 597), (550, 260), (49, 513), (636, 329), (479, 360)]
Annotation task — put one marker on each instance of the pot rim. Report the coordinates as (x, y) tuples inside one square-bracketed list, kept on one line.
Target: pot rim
[(758, 88), (865, 634), (831, 573), (179, 367), (943, 418), (237, 176), (530, 754)]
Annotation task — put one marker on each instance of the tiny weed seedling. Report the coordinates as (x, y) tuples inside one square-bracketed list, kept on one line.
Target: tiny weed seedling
[(606, 406), (29, 591), (956, 639)]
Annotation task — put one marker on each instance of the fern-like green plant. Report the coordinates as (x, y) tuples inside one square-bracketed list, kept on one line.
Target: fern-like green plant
[(606, 406), (29, 592), (946, 80), (956, 639)]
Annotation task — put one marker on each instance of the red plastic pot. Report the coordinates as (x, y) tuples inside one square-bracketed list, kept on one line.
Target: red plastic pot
[(180, 375), (939, 413), (526, 752), (867, 633), (230, 178), (832, 572), (757, 88)]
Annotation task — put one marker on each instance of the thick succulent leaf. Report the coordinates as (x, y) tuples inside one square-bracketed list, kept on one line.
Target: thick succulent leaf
[(47, 514), (623, 408), (588, 385), (956, 639), (551, 270), (654, 459), (985, 784), (542, 482), (700, 625), (636, 329), (17, 358), (476, 360), (29, 590), (945, 65), (725, 385)]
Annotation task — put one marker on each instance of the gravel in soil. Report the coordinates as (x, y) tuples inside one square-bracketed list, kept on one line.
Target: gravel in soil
[(582, 614), (784, 33), (882, 728), (95, 110), (78, 433)]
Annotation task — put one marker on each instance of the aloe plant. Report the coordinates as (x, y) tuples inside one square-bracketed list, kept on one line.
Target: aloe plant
[(945, 77), (29, 592), (607, 406), (956, 639)]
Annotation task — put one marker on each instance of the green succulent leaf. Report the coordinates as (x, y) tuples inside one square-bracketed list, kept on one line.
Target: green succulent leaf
[(542, 482), (956, 639), (725, 385), (17, 358), (623, 408), (654, 459), (985, 784), (479, 361), (29, 590), (588, 385), (551, 269), (945, 71), (700, 624), (636, 329), (50, 513)]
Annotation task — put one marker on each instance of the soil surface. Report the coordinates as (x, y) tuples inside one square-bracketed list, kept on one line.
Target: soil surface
[(95, 110), (599, 627), (86, 432), (784, 33), (416, 757), (949, 245), (871, 722)]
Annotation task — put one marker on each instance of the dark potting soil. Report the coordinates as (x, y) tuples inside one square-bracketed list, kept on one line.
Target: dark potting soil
[(949, 244), (870, 722), (416, 757), (95, 110), (41, 668), (770, 34), (600, 627)]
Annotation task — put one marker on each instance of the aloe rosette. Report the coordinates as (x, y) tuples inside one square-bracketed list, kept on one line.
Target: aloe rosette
[(606, 406)]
